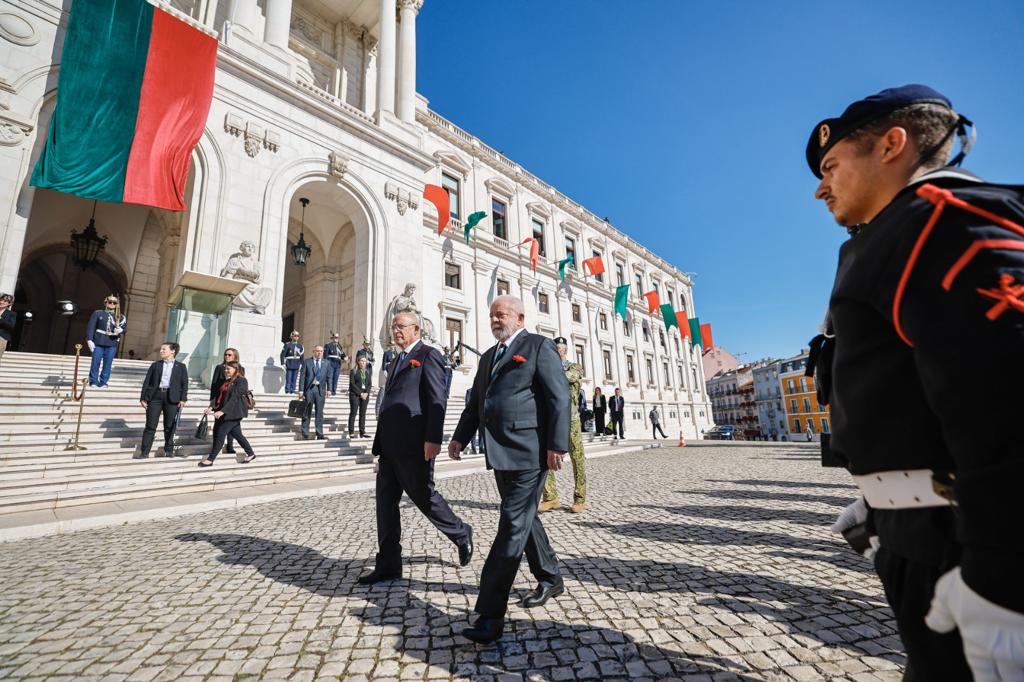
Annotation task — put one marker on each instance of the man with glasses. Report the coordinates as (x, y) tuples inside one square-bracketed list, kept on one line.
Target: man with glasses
[(314, 390), (102, 336)]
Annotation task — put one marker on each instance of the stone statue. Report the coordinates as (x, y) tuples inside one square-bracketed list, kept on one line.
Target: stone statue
[(406, 303), (243, 266)]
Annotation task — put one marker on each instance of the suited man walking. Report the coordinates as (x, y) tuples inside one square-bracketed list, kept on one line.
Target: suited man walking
[(617, 407), (521, 400), (359, 384), (410, 427), (315, 372), (164, 391)]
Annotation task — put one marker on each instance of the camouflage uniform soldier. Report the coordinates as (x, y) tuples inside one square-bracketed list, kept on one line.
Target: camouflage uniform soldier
[(574, 373)]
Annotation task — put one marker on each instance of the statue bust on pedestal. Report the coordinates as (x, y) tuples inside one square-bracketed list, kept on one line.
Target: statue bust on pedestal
[(244, 266)]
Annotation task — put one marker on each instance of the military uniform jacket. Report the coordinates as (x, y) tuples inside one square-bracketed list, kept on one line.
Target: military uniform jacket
[(102, 328), (928, 315), (291, 355), (574, 375), (334, 353)]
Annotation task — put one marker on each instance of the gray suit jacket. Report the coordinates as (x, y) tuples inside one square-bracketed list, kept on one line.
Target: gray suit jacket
[(525, 410)]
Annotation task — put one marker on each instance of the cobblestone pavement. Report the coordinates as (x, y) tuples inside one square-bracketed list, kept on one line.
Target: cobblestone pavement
[(703, 563)]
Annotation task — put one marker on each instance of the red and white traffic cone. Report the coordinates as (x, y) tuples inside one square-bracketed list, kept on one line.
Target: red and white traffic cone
[(682, 441)]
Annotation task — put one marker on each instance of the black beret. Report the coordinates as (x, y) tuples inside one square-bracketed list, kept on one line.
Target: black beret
[(828, 132), (560, 341)]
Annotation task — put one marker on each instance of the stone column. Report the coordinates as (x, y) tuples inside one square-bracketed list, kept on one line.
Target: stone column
[(244, 14), (386, 58), (279, 21), (407, 67)]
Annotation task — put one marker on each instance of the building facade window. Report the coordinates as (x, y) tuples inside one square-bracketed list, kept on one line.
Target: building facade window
[(570, 250), (501, 286), (627, 329), (620, 273), (538, 234), (499, 217), (630, 369), (824, 425), (661, 339), (452, 275), (807, 405), (607, 355), (650, 371), (542, 303), (582, 359), (577, 314), (451, 184), (453, 327), (668, 377), (796, 426), (792, 405), (639, 285), (598, 277), (789, 384), (647, 332), (602, 321)]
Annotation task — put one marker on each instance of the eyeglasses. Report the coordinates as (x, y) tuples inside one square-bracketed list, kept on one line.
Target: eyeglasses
[(400, 327)]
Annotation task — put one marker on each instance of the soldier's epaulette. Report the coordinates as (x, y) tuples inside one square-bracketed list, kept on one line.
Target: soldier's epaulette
[(943, 198)]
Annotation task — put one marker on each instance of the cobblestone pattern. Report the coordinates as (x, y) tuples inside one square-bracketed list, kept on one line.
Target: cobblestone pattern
[(695, 564)]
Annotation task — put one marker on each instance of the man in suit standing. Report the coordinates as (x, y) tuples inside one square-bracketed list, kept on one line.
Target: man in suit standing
[(165, 391), (522, 401), (410, 427), (617, 407), (102, 336), (359, 384), (314, 391)]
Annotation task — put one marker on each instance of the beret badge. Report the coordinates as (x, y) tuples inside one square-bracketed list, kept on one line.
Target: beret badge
[(823, 134)]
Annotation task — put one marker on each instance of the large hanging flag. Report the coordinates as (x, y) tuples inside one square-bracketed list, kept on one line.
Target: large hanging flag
[(621, 299), (669, 316), (694, 324), (534, 251), (683, 324), (562, 263), (705, 338), (653, 302), (473, 221), (133, 96), (595, 265), (438, 196)]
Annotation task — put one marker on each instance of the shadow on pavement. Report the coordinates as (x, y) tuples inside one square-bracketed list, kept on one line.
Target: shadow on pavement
[(747, 513), (788, 484), (769, 495), (426, 630)]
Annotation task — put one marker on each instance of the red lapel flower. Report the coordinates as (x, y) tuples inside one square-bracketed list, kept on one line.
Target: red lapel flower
[(415, 363), (519, 358)]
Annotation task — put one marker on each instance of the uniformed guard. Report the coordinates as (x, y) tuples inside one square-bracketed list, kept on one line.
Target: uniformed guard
[(291, 359), (927, 363), (574, 373), (335, 354), (102, 336)]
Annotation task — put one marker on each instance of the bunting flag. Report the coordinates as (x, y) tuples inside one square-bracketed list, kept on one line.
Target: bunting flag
[(595, 265), (669, 316), (653, 302), (133, 97), (683, 324), (705, 337), (473, 221), (694, 325), (621, 299), (534, 251), (562, 263), (438, 196)]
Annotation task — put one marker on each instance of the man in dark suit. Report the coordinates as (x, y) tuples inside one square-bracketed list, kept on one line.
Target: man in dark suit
[(315, 372), (410, 427), (617, 407), (521, 398), (359, 384), (165, 391)]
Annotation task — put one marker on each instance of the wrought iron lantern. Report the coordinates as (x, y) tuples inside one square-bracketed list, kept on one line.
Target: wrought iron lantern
[(87, 244), (301, 250)]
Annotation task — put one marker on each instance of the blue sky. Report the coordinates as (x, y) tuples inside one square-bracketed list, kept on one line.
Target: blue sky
[(685, 122)]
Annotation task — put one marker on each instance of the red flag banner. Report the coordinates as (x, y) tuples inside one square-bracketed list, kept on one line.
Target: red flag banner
[(653, 302), (534, 251), (438, 196), (684, 325), (595, 265), (705, 338)]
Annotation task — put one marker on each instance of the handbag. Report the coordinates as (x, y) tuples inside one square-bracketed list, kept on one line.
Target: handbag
[(202, 428), (249, 399), (297, 408)]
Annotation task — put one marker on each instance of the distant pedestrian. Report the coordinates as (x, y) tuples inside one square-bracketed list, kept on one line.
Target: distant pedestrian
[(164, 391), (600, 404), (655, 424), (314, 391), (617, 407), (228, 410), (335, 354), (360, 381), (291, 360), (809, 432), (8, 318), (446, 359)]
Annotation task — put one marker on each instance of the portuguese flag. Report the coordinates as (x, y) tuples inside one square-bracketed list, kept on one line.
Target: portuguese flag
[(133, 96)]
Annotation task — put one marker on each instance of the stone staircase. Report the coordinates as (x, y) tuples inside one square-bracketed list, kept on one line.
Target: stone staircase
[(40, 479)]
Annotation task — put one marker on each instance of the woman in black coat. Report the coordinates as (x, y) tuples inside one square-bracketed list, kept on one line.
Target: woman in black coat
[(600, 404), (229, 409), (230, 355)]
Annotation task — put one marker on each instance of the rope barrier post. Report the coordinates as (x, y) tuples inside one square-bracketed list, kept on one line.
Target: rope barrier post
[(73, 445)]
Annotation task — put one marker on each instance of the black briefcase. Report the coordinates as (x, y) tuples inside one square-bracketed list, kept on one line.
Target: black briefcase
[(297, 408)]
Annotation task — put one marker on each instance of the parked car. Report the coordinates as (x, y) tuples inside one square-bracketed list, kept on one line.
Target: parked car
[(722, 432)]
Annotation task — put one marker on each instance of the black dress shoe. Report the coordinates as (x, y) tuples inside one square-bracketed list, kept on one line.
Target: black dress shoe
[(486, 630), (363, 435), (540, 596), (321, 437), (377, 575), (466, 549)]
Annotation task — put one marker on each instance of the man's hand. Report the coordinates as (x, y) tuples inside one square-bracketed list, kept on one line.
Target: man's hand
[(366, 396), (183, 403), (555, 459), (993, 636), (92, 346), (431, 450), (455, 449), (143, 403)]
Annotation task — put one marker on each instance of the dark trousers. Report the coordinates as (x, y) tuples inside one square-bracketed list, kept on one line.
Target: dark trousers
[(519, 530), (228, 428), (617, 424), (655, 430), (356, 403), (909, 588), (159, 404), (415, 477), (599, 422), (333, 372), (291, 379), (315, 398)]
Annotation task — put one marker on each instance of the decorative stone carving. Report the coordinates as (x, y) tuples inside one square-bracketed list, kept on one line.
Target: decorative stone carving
[(244, 266), (12, 133), (337, 163), (255, 136), (16, 29), (253, 139), (405, 302), (414, 5), (401, 196)]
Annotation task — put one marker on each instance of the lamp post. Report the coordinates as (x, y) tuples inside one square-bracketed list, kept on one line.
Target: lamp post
[(68, 310), (301, 250), (87, 244)]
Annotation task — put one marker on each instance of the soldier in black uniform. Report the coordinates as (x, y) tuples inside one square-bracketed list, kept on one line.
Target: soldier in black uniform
[(926, 366)]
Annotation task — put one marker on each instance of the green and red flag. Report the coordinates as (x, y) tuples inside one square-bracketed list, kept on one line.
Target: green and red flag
[(473, 221), (694, 324), (595, 265), (669, 316), (653, 302), (705, 337), (438, 196), (621, 299), (562, 263), (133, 97)]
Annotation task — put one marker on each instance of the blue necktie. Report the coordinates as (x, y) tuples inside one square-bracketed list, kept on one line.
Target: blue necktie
[(497, 358)]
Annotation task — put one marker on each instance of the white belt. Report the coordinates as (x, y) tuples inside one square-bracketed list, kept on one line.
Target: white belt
[(900, 490)]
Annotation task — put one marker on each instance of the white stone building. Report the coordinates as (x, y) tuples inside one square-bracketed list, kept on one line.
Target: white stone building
[(316, 99), (771, 414)]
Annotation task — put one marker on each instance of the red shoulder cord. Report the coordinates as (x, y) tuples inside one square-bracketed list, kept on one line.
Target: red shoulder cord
[(941, 197)]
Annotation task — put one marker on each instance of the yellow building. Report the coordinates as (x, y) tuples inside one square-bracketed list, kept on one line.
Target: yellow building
[(800, 401)]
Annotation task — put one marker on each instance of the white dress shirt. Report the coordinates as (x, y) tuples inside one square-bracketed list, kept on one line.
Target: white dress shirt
[(165, 376)]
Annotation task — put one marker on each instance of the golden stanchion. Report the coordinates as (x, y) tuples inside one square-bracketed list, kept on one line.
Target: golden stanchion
[(74, 381), (73, 445)]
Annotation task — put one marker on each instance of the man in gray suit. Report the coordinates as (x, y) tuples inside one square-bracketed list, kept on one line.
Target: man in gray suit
[(315, 372), (521, 404)]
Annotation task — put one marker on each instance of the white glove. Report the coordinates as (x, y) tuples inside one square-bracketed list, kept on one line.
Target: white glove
[(92, 346), (854, 514), (993, 636), (119, 330)]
